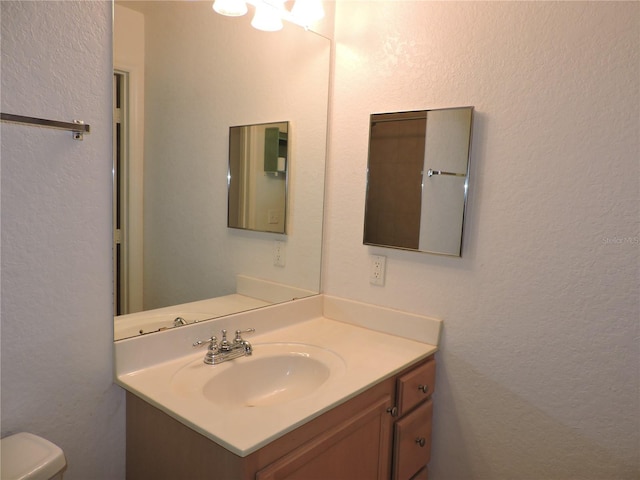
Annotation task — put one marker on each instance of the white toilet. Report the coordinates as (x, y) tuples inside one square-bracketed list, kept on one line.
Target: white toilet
[(25, 456)]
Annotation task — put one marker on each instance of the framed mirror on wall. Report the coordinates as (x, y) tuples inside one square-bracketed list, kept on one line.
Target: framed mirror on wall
[(417, 179), (185, 75), (258, 163)]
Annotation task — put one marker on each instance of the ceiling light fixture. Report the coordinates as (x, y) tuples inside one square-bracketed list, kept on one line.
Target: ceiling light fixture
[(268, 16), (306, 12), (270, 13), (230, 8)]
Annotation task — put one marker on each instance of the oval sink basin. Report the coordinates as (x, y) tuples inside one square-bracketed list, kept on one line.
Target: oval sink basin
[(276, 373)]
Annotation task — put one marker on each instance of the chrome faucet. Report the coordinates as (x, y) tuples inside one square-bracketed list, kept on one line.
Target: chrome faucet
[(226, 350), (179, 321)]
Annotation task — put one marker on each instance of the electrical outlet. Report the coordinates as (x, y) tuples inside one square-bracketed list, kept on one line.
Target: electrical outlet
[(376, 272), (279, 259), (273, 217)]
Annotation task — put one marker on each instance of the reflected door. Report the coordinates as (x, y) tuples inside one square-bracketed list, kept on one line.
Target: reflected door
[(119, 245), (396, 156)]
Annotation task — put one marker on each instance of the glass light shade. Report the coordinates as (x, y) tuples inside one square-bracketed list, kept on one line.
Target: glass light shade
[(230, 8), (267, 18), (305, 12)]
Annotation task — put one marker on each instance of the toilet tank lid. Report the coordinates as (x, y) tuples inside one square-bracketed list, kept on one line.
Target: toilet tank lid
[(29, 457)]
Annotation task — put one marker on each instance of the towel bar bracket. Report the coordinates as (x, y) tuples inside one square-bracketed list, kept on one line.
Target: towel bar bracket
[(79, 134)]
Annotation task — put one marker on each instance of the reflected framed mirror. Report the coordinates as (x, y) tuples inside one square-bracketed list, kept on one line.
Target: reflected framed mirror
[(417, 179), (258, 163), (183, 76)]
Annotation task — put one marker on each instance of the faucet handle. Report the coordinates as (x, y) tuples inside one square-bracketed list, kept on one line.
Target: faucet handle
[(212, 341), (239, 333)]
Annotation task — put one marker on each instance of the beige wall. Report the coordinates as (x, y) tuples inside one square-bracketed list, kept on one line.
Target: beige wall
[(538, 373)]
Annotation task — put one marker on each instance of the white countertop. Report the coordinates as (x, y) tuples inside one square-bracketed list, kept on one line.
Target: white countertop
[(369, 356), (372, 342)]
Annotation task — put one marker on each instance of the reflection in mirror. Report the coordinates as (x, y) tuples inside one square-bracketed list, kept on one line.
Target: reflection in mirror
[(418, 173), (258, 159), (184, 75)]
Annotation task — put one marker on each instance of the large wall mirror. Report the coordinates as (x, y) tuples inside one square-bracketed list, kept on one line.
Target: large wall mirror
[(417, 180), (183, 76)]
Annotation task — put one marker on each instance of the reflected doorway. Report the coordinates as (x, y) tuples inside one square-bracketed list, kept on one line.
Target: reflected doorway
[(127, 192), (119, 196)]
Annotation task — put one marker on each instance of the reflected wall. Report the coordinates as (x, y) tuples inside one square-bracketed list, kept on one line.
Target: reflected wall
[(204, 73)]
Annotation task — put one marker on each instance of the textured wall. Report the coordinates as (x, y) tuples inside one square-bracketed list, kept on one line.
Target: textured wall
[(56, 235), (538, 373)]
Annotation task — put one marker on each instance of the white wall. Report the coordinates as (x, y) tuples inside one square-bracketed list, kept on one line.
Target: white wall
[(56, 235), (538, 373)]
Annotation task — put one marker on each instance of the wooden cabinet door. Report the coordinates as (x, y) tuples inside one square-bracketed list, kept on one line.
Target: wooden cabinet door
[(412, 442), (355, 449)]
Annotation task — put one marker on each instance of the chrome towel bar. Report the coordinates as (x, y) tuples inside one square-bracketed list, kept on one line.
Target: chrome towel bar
[(431, 173), (78, 127)]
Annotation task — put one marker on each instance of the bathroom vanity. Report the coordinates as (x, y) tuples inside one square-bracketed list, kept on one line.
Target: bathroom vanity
[(349, 402)]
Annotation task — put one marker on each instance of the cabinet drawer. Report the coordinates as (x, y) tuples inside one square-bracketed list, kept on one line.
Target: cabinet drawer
[(415, 386), (412, 442)]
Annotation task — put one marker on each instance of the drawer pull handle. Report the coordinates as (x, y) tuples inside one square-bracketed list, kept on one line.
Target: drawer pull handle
[(423, 388), (421, 441), (393, 411)]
